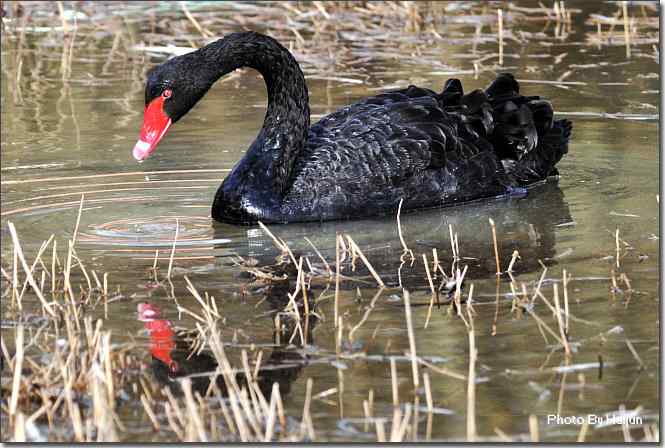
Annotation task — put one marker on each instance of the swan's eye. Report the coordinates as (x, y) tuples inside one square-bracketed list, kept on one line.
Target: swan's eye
[(167, 93)]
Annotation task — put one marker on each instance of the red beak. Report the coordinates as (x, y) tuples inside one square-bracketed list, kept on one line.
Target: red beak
[(155, 125)]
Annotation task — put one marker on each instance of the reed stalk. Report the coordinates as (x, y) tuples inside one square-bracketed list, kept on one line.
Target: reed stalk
[(496, 247), (412, 340)]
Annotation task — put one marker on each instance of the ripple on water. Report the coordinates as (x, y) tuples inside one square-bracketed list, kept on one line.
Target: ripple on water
[(153, 231), (127, 209)]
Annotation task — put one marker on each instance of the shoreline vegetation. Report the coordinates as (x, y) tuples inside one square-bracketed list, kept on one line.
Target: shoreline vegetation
[(331, 40)]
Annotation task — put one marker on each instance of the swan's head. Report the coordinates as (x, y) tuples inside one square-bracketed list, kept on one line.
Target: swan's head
[(171, 90)]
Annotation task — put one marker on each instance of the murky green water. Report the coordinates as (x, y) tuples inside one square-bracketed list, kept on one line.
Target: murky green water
[(64, 139)]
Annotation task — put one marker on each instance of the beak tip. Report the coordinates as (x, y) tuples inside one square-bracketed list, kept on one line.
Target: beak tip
[(141, 150)]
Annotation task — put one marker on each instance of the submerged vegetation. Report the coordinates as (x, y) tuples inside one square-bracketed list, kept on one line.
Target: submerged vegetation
[(177, 354)]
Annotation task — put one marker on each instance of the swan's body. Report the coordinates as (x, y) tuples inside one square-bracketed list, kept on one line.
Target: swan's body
[(426, 148)]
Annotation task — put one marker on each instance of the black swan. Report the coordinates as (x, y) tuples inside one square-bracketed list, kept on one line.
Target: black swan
[(425, 148)]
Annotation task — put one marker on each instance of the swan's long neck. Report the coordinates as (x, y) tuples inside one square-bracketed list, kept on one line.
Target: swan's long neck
[(270, 159)]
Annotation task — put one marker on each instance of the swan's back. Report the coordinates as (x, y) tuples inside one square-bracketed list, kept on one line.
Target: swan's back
[(388, 138), (426, 148)]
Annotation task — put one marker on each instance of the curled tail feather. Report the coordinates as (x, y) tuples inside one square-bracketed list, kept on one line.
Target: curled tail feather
[(541, 163), (520, 129)]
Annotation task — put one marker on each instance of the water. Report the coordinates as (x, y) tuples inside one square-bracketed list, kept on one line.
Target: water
[(65, 139)]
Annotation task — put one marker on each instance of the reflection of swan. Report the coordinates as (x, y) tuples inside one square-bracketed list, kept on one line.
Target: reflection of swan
[(527, 225), (172, 355)]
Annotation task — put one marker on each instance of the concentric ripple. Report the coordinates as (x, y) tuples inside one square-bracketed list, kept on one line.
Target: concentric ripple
[(120, 212), (154, 231)]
